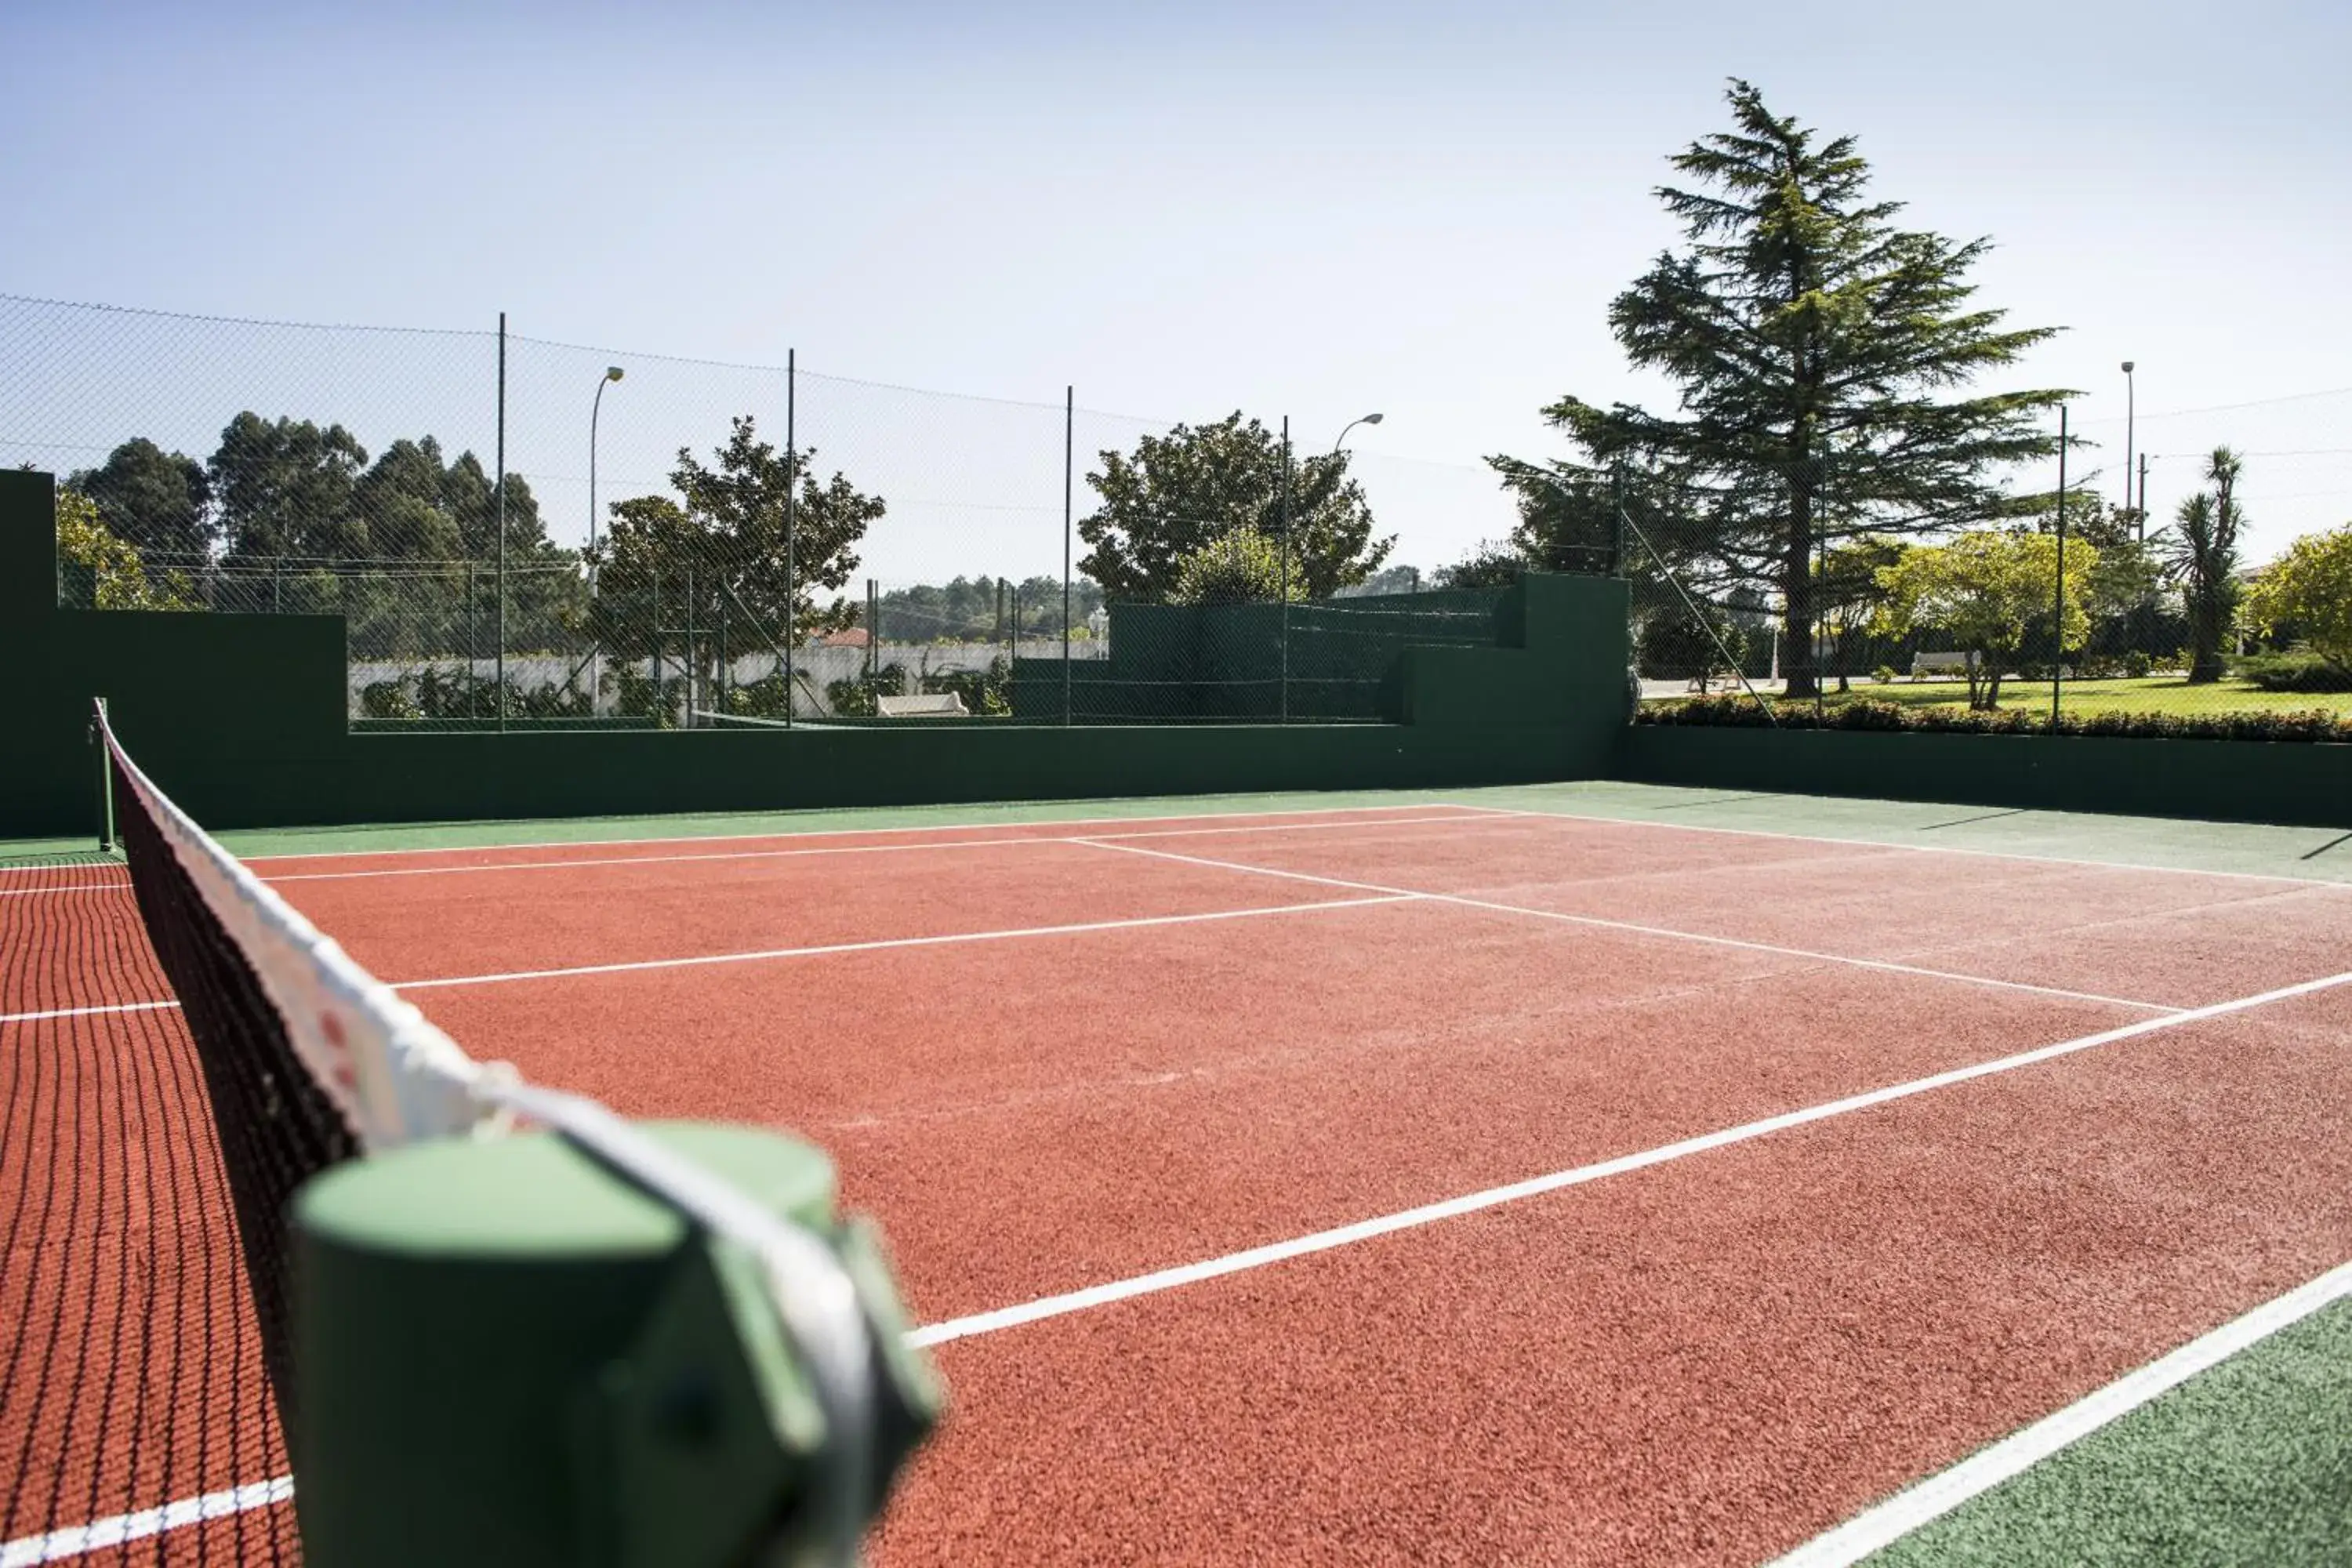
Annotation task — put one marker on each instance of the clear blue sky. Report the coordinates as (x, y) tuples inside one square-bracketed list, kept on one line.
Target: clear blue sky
[(1307, 209)]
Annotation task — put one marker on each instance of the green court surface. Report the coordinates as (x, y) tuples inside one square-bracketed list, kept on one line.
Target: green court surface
[(2313, 854), (2247, 1463)]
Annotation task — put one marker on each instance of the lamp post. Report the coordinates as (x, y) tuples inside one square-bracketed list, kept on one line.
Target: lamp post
[(1351, 424), (613, 372), (2130, 392)]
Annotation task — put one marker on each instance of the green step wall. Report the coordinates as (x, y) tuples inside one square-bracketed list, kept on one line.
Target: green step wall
[(242, 717)]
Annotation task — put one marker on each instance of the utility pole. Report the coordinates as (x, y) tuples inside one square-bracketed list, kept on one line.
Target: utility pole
[(2130, 393)]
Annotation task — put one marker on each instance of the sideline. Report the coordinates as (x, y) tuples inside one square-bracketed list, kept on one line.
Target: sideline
[(1535, 1186), (1940, 1493)]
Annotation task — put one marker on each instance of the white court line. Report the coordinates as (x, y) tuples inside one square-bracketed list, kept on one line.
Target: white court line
[(95, 1012), (1600, 922), (1001, 1318), (1912, 849), (75, 1541), (856, 832), (1930, 1499), (693, 960), (1535, 1186), (948, 939), (101, 887), (997, 843)]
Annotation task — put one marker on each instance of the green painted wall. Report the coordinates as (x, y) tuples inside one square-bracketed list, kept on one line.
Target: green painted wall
[(242, 719), (2229, 780)]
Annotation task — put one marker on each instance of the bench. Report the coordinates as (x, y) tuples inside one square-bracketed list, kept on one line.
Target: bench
[(929, 705), (1941, 663)]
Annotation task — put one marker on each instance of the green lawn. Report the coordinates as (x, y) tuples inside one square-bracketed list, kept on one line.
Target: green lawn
[(2152, 694)]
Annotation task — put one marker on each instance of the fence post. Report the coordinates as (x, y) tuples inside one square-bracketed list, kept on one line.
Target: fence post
[(1285, 568), (792, 502), (501, 681), (473, 648), (1069, 463), (2058, 592)]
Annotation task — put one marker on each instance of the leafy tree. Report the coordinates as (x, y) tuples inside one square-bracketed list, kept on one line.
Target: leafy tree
[(1491, 565), (1814, 344), (1568, 517), (285, 487), (1984, 590), (1850, 591), (2199, 552), (1387, 580), (715, 557), (155, 501), (2310, 588), (1243, 567), (1179, 492), (119, 579)]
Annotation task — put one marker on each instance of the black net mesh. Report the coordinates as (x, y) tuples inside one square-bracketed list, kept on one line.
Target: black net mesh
[(277, 1127)]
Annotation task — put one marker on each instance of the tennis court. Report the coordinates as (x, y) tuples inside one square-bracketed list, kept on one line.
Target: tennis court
[(1436, 1179)]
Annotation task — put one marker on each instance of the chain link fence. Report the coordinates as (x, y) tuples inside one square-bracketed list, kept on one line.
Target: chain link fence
[(680, 543)]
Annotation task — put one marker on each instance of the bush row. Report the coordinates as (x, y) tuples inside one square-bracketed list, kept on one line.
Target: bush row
[(1739, 711), (2300, 670)]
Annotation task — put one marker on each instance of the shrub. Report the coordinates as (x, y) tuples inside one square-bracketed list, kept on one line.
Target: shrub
[(388, 699), (1737, 710), (1883, 675), (2136, 665), (2299, 670)]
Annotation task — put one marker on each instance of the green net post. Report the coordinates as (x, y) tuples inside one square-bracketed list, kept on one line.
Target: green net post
[(506, 1354), (105, 778)]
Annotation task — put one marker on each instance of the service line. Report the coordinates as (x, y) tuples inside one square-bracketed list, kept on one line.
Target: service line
[(1463, 900)]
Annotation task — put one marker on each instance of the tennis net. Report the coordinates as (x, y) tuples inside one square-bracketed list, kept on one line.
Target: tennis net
[(309, 1060)]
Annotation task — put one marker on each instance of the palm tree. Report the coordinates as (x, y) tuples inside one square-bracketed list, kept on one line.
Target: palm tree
[(2200, 555)]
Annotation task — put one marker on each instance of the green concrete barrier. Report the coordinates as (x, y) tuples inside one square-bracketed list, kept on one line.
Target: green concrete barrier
[(243, 719), (2287, 783)]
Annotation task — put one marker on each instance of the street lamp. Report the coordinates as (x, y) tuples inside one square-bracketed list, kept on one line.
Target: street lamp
[(2129, 397), (1366, 419), (613, 372)]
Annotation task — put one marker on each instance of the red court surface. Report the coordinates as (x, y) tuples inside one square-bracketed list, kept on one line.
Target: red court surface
[(1109, 1058)]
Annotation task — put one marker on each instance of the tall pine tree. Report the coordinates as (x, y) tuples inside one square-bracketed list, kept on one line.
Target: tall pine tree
[(1818, 349)]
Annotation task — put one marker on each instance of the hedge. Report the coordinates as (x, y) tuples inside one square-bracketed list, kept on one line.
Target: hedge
[(1737, 710)]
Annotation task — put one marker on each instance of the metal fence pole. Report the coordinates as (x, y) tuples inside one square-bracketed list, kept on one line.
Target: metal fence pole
[(2058, 590), (1285, 568), (1069, 464), (501, 682), (792, 502)]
